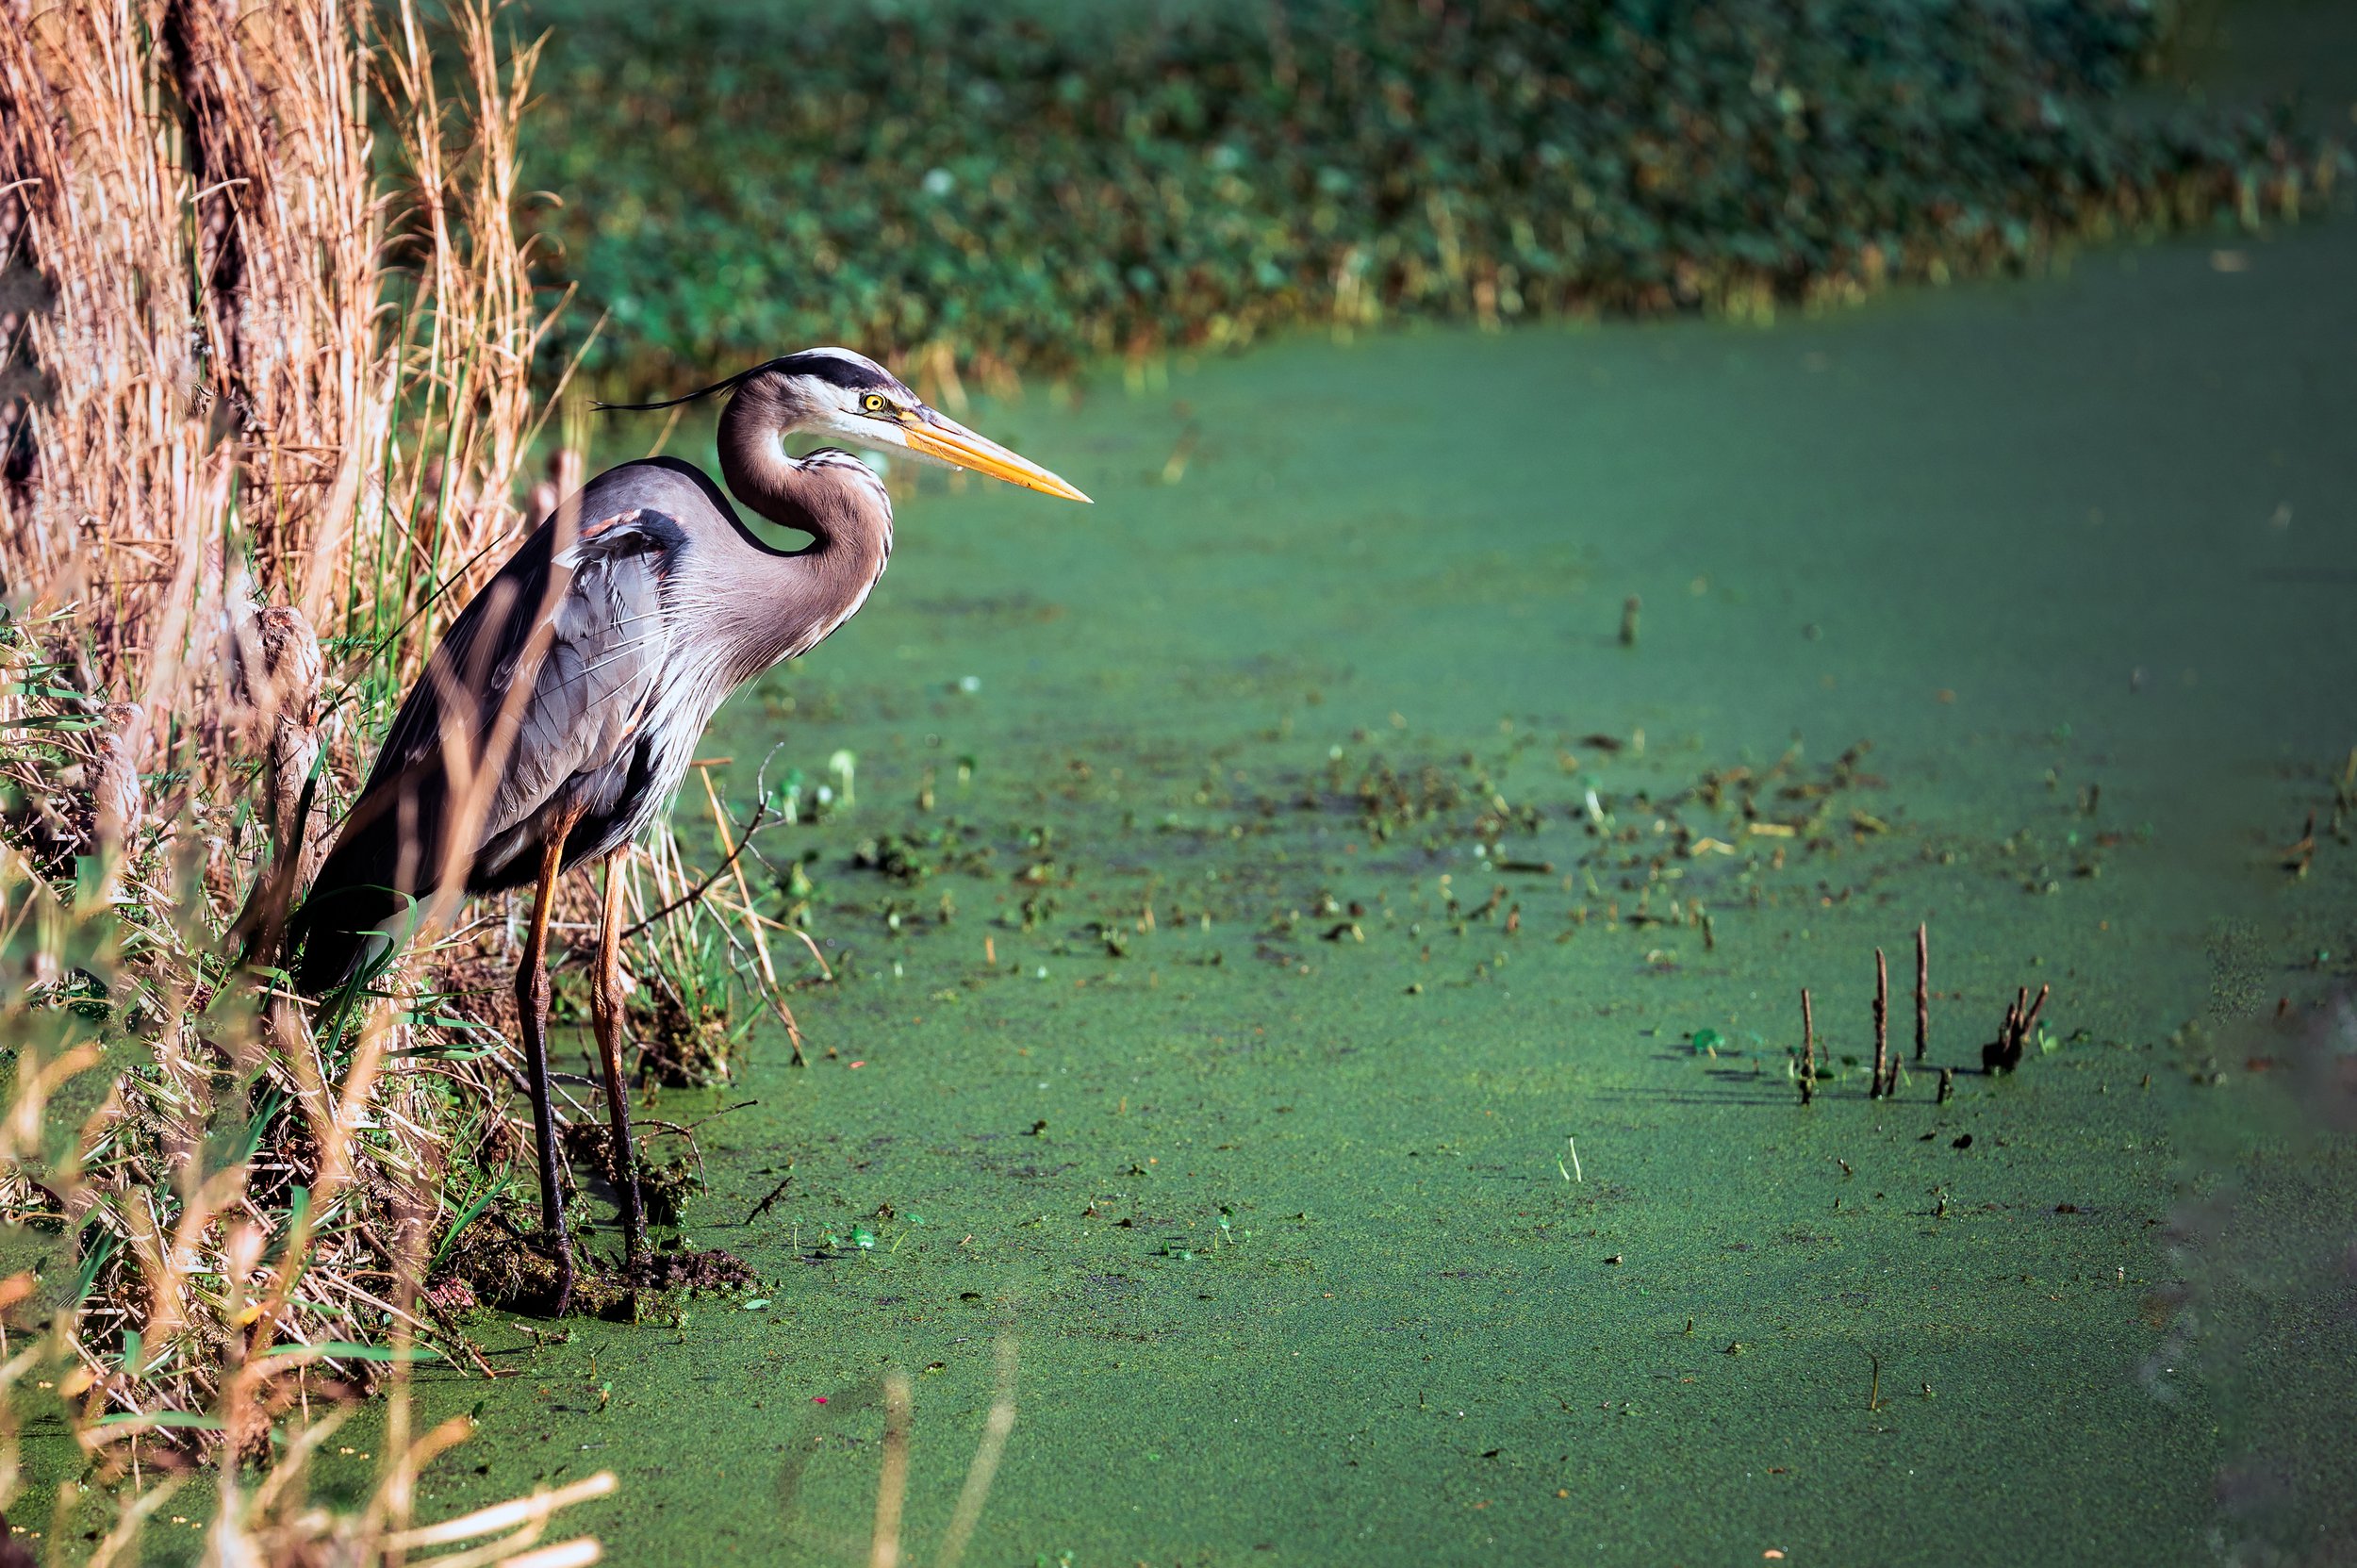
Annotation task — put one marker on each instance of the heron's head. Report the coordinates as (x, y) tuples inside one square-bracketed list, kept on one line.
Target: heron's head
[(839, 395)]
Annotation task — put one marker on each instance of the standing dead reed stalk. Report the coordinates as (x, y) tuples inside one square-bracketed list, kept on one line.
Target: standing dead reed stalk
[(1807, 1075), (1885, 1070), (975, 1495), (2004, 1055), (1922, 990)]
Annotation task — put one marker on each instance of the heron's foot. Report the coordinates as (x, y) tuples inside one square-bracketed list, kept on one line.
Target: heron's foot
[(560, 1253)]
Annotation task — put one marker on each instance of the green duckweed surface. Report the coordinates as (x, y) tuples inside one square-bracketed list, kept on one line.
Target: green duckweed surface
[(1274, 1207)]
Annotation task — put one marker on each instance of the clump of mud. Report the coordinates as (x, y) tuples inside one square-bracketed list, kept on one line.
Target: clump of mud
[(498, 1262), (682, 1044), (501, 1263), (665, 1188)]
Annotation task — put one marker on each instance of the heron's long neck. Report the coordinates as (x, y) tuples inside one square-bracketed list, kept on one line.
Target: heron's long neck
[(790, 599)]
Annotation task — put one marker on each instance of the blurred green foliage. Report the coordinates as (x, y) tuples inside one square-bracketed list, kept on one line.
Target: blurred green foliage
[(1022, 187)]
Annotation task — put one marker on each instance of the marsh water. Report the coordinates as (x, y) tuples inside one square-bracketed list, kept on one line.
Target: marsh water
[(1332, 1018), (1277, 1203)]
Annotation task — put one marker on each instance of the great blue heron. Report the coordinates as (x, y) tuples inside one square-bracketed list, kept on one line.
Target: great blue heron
[(560, 710)]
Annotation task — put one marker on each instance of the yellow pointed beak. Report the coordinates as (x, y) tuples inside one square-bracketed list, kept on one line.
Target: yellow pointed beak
[(938, 436)]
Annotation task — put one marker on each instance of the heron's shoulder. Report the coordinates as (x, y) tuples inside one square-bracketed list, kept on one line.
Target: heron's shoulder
[(609, 538), (680, 491)]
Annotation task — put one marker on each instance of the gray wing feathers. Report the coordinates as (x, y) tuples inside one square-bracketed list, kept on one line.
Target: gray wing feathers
[(592, 686)]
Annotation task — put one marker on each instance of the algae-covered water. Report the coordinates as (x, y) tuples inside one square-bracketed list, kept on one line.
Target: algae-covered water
[(1275, 1203), (1310, 858)]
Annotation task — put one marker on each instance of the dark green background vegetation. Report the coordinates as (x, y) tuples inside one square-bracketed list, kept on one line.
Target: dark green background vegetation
[(1028, 185)]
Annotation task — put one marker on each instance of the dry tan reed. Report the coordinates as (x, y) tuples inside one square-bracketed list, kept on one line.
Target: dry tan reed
[(280, 381), (339, 420), (281, 396)]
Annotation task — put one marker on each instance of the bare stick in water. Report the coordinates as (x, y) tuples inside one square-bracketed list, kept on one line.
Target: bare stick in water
[(1808, 1049), (1882, 1030), (1922, 991)]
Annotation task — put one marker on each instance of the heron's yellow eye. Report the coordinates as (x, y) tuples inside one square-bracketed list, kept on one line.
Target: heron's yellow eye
[(875, 403)]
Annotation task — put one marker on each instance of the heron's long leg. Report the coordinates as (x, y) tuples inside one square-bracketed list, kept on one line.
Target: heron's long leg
[(531, 1011), (605, 1010)]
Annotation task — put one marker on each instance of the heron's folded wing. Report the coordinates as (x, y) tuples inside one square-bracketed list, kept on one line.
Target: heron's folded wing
[(583, 627), (576, 641), (607, 647)]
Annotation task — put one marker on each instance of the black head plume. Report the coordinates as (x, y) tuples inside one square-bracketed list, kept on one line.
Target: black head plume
[(729, 386), (840, 367)]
